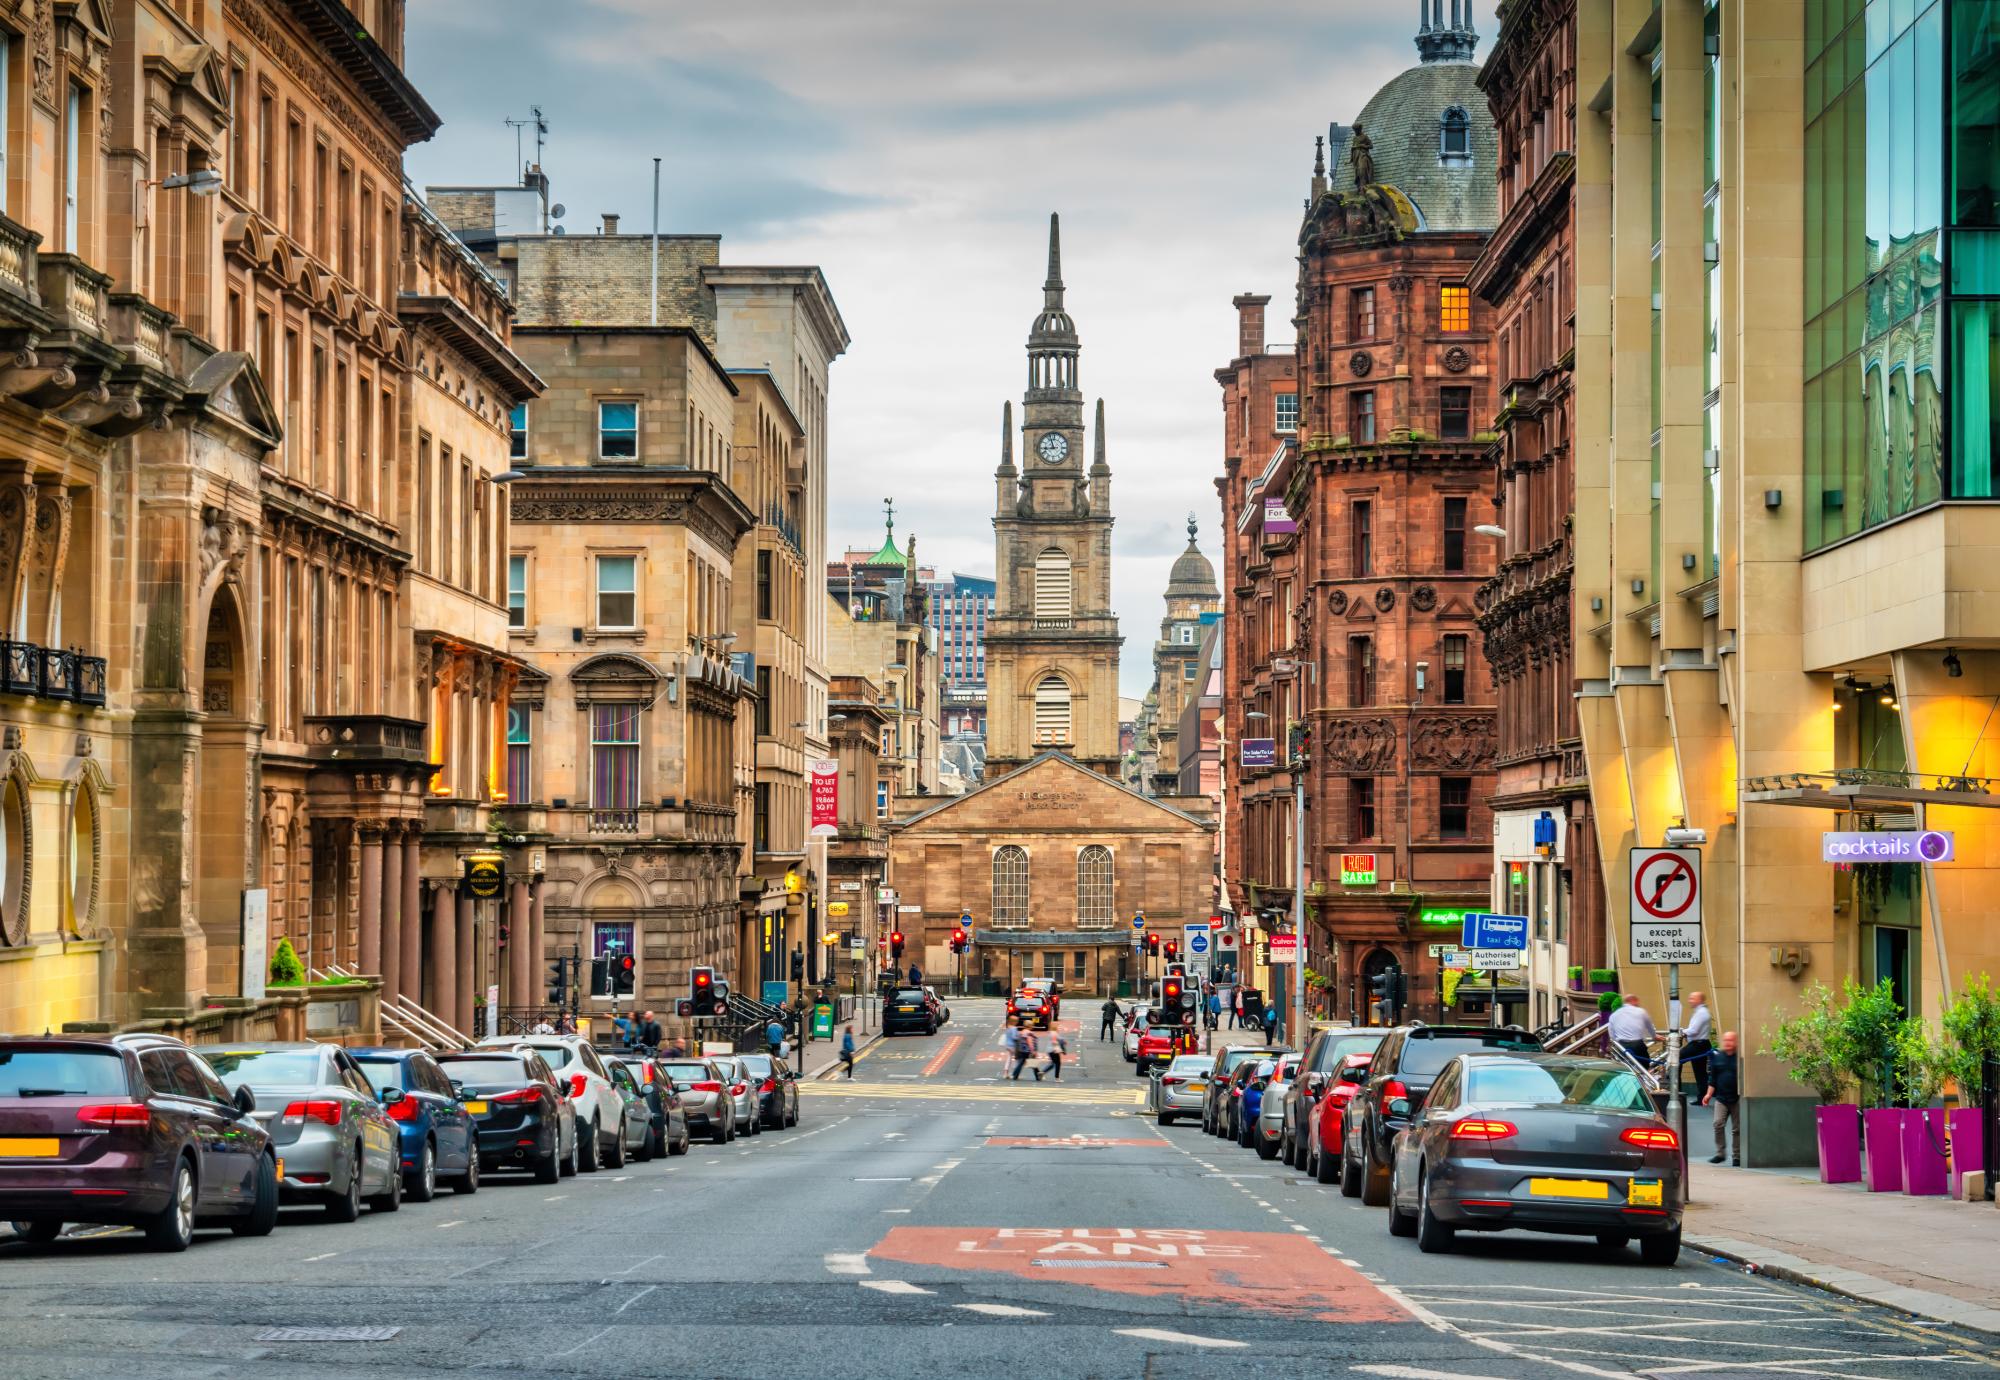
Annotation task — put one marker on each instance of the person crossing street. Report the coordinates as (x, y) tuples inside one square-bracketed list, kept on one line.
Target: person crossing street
[(847, 1051), (1110, 1023), (1054, 1067)]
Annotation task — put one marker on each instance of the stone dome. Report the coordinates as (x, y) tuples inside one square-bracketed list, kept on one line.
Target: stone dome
[(1406, 124), (1192, 576)]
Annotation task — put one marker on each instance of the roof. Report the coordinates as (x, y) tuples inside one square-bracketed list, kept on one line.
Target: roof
[(1192, 576), (1402, 123), (995, 783)]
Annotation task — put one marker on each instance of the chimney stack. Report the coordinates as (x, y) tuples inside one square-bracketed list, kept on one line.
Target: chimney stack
[(1249, 324), (610, 223)]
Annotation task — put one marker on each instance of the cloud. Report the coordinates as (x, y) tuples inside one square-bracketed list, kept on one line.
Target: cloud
[(913, 149)]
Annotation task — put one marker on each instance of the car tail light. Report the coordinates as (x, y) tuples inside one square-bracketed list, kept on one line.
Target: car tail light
[(98, 1192), (325, 1109), (577, 1083), (519, 1095), (404, 1108), (1651, 1138), (768, 1085), (1172, 1082), (1394, 1089), (736, 1089), (115, 1114), (1482, 1128), (705, 1087)]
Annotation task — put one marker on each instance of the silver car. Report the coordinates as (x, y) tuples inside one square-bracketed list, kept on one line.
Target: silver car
[(1271, 1110), (335, 1143), (741, 1082), (704, 1097), (1178, 1089)]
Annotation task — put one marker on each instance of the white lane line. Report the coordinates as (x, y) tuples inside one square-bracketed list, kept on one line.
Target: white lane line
[(1413, 1373), (1161, 1334), (890, 1210), (311, 1258), (630, 1268), (584, 1343), (893, 1286), (893, 1179), (1001, 1310), (459, 1223), (634, 1299), (847, 1264), (621, 1178)]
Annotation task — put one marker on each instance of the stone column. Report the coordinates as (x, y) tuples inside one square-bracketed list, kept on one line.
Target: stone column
[(370, 946), (392, 913), (467, 978), (410, 972), (538, 945), (444, 952), (522, 962)]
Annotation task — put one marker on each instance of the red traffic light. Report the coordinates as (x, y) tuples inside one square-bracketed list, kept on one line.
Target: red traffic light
[(703, 979), (626, 963), (1152, 943), (1170, 993), (895, 936), (1173, 948)]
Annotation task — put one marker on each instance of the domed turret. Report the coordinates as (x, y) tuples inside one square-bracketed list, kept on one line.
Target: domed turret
[(1192, 576)]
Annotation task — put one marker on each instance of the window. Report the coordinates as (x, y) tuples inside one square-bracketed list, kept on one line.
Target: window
[(72, 167), (1052, 723), (611, 939), (1184, 634), (82, 860), (520, 754), (1454, 806), (763, 701), (6, 123), (614, 756), (1455, 136), (1364, 538), (517, 432), (1454, 413), (618, 431), (1360, 671), (1078, 961), (1010, 888), (1455, 307), (1288, 412), (1054, 585), (881, 800), (764, 584), (617, 591), (517, 591), (267, 152), (760, 833), (1361, 416), (1361, 807), (1361, 314), (1454, 668), (1454, 535), (1052, 964), (1094, 906)]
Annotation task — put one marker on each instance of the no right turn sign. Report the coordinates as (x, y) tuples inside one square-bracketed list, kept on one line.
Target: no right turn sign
[(1665, 906)]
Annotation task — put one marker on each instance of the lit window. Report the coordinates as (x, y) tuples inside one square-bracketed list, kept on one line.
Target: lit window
[(618, 430), (1455, 307), (517, 432), (517, 591), (617, 591), (1288, 412)]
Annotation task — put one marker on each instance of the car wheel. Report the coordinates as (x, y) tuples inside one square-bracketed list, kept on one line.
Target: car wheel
[(1663, 1249), (586, 1148), (172, 1228), (1400, 1223), (1266, 1149), (614, 1149), (423, 1181), (721, 1133), (644, 1151), (1374, 1183), (1246, 1133), (346, 1206), (468, 1182), (40, 1233), (684, 1144), (1433, 1236), (570, 1162), (1166, 1118), (757, 1123), (1613, 1240), (1350, 1175), (794, 1113), (263, 1215), (392, 1201), (660, 1140), (549, 1167)]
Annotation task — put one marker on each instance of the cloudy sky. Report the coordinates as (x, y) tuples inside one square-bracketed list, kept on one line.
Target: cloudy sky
[(914, 149)]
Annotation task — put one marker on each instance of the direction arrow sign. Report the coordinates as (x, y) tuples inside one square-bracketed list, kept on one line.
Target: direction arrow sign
[(1665, 906)]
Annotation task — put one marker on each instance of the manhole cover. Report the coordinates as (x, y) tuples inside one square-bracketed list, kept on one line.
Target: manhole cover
[(327, 1334), (1101, 1264)]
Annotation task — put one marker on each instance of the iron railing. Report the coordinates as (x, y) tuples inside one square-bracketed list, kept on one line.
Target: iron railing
[(1989, 1109), (51, 673)]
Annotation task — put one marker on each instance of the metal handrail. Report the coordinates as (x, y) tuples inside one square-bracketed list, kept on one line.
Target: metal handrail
[(1575, 1037), (423, 1026), (409, 1010)]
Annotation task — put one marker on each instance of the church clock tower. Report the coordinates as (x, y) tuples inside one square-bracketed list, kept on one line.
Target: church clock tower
[(1052, 643)]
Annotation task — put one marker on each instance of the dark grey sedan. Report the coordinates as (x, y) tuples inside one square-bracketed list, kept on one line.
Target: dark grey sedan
[(1538, 1142)]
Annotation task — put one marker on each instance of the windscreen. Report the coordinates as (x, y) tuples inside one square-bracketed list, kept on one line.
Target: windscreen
[(1584, 1083), (758, 1064), (1426, 1055), (1337, 1049), (276, 1068), (1192, 1063), (477, 1071), (556, 1056), (383, 1073), (689, 1073), (910, 994), (62, 1073)]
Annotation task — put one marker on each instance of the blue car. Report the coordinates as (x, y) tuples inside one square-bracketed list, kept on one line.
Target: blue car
[(437, 1132)]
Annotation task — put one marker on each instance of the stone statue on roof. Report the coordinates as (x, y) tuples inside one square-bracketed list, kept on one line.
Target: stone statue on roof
[(1361, 154)]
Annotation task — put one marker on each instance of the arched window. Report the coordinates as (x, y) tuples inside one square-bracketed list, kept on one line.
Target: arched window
[(82, 859), (1093, 889), (1052, 726), (1454, 134), (1010, 888), (1053, 586)]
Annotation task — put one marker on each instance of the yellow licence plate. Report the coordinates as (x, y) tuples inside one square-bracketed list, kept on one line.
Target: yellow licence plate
[(476, 1108), (1197, 1087), (39, 1148), (1643, 1194), (281, 1167), (906, 1008), (1570, 1188)]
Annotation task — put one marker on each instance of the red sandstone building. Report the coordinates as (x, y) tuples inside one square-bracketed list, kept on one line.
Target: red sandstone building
[(1544, 848), (1352, 564)]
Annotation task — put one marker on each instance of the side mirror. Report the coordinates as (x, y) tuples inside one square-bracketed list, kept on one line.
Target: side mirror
[(389, 1097), (244, 1100), (1399, 1106), (1354, 1075), (458, 1089)]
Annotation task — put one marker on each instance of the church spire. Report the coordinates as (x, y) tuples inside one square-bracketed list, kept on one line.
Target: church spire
[(1052, 290), (1006, 470), (1097, 464)]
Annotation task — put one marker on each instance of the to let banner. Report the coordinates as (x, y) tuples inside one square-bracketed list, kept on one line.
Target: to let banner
[(825, 792)]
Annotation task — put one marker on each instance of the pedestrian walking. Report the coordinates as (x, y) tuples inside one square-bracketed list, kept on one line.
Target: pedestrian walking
[(650, 1033), (1017, 1046), (916, 976), (1028, 1052), (625, 1026), (1214, 1008), (1056, 1051), (1695, 1044), (1631, 1028), (1111, 1014), (774, 1035), (1724, 1090), (847, 1051), (1270, 1025)]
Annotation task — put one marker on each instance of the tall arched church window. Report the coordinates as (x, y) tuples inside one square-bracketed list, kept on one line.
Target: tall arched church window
[(1054, 598), (1455, 134), (1093, 889), (1052, 718), (1010, 888)]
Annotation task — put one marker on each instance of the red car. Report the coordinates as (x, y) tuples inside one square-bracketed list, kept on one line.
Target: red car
[(1328, 1127), (1028, 1008)]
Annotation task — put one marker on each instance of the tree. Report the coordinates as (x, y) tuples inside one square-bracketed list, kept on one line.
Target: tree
[(1809, 1045), (1972, 1026), (286, 970)]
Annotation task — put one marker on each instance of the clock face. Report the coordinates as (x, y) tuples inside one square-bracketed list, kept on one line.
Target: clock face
[(1053, 448)]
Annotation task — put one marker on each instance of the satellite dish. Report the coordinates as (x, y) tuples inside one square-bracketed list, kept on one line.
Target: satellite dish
[(558, 210), (558, 231)]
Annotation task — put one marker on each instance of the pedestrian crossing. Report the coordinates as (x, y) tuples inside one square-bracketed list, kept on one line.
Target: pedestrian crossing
[(1041, 1094)]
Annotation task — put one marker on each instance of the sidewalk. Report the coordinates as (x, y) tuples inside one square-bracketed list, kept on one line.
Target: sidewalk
[(1928, 1256)]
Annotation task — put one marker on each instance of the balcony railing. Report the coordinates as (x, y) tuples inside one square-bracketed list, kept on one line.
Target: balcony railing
[(614, 822), (51, 673)]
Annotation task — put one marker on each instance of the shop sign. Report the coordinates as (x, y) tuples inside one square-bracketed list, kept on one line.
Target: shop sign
[(1888, 845), (1441, 916), (1357, 869), (485, 875)]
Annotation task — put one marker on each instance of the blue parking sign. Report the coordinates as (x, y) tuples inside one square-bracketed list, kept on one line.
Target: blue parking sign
[(1484, 931)]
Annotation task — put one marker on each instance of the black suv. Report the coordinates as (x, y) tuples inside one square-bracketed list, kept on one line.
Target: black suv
[(909, 1008), (1404, 1067)]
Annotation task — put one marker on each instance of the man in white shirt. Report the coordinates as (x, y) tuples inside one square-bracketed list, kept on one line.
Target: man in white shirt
[(1631, 1027), (1694, 1042)]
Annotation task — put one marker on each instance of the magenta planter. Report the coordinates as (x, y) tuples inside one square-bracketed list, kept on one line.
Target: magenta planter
[(1839, 1143), (1883, 1128), (1923, 1152), (1968, 1146)]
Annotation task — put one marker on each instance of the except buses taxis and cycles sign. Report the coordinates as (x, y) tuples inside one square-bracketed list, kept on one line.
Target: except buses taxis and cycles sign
[(1665, 906)]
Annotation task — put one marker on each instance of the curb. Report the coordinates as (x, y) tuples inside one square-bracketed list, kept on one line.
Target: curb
[(1852, 1284)]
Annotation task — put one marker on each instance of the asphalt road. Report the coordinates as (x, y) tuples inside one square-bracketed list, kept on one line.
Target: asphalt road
[(927, 1220)]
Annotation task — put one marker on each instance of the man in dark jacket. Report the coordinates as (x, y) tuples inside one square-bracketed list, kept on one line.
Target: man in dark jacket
[(1725, 1087), (1111, 1014)]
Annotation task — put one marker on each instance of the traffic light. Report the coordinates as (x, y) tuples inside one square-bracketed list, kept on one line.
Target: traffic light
[(895, 943), (559, 982), (1173, 950), (1383, 989), (1301, 743), (623, 970), (798, 965), (1152, 946), (958, 940), (701, 991)]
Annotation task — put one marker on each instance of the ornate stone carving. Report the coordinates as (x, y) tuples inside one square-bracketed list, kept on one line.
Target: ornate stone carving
[(41, 25), (1361, 745), (1423, 598), (1457, 359), (1336, 602), (1361, 364), (223, 542), (1385, 598), (1454, 741), (252, 16)]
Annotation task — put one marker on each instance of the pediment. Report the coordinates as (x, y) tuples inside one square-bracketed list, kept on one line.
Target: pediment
[(92, 16), (229, 385), (1052, 792), (1456, 608), (615, 666), (1360, 611)]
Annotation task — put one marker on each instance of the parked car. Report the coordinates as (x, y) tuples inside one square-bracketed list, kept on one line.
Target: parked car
[(909, 1009), (704, 1097), (638, 1119), (335, 1142), (1538, 1142), (1327, 1127), (665, 1120), (741, 1086), (1269, 1127), (1229, 1062), (522, 1116), (133, 1130), (1181, 1087), (600, 1108), (776, 1089), (1138, 1020), (436, 1132), (1324, 1053), (1406, 1063)]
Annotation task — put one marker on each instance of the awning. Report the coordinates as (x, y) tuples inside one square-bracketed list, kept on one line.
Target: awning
[(1859, 791)]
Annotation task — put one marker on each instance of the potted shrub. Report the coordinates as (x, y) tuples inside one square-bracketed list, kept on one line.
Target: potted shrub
[(1922, 1065), (1808, 1045), (1576, 979), (1868, 1022), (286, 970), (1972, 1028), (1604, 979)]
